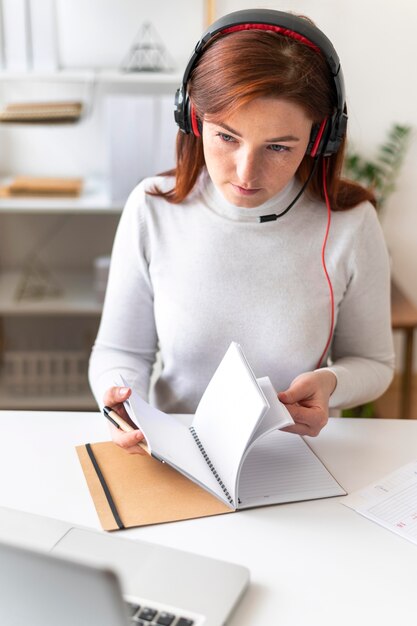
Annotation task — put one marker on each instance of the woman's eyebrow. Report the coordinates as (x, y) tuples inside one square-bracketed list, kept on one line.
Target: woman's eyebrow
[(283, 138), (273, 140)]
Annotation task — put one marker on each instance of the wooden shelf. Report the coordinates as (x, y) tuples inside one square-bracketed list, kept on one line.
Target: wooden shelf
[(404, 312), (78, 296), (404, 319)]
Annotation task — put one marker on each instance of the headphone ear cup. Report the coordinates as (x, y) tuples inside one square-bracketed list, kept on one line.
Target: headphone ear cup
[(185, 115), (325, 138), (337, 133), (318, 137), (182, 110), (196, 125)]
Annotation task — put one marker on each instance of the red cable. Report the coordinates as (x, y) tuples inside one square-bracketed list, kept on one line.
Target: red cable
[(323, 260)]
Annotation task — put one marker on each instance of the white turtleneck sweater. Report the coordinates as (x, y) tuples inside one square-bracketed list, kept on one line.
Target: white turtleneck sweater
[(188, 279)]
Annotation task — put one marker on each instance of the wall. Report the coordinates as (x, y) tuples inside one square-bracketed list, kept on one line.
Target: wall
[(375, 41)]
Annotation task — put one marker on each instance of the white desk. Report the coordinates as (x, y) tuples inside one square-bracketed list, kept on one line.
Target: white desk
[(316, 563)]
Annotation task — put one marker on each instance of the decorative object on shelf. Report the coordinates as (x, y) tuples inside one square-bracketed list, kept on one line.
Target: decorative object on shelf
[(380, 173), (24, 186), (45, 373), (147, 53), (41, 112), (37, 283), (44, 363)]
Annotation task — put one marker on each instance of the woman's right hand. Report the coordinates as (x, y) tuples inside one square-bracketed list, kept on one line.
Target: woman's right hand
[(114, 398)]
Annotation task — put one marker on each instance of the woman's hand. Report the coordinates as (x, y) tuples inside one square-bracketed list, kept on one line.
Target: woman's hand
[(114, 398), (307, 399)]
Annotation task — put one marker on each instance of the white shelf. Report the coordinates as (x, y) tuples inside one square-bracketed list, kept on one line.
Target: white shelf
[(101, 75), (70, 75), (26, 387), (94, 199), (150, 78), (17, 402), (78, 296)]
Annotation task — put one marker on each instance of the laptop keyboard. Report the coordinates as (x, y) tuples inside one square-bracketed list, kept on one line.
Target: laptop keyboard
[(145, 616)]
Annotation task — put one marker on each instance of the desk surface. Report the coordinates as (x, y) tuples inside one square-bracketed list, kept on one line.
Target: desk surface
[(315, 563)]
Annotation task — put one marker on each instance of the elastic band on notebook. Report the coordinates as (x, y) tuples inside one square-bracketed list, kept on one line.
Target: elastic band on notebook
[(105, 487)]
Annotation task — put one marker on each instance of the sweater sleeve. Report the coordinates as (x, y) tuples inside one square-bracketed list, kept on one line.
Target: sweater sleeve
[(127, 340), (362, 350)]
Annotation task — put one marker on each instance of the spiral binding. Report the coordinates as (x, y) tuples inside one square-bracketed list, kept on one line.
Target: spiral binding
[(210, 464)]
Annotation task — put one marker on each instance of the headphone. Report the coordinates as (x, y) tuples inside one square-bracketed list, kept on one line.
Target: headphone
[(326, 137)]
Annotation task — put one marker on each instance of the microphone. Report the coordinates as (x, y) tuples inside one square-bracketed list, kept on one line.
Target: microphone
[(274, 216)]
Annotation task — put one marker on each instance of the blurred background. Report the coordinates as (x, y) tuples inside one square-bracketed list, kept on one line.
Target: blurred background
[(86, 111)]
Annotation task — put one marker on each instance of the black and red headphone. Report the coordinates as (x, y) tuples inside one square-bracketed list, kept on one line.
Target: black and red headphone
[(327, 136)]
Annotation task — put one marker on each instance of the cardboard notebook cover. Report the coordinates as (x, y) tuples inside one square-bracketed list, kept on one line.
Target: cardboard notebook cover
[(136, 490)]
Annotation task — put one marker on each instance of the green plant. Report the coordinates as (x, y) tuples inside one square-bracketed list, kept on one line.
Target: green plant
[(380, 173), (365, 410)]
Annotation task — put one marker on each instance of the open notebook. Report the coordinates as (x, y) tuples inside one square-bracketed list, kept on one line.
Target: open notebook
[(234, 447), (230, 455)]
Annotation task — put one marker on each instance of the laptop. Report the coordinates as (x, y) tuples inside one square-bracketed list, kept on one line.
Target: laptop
[(53, 573)]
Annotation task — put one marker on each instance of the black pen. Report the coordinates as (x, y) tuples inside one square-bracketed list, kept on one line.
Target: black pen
[(119, 422)]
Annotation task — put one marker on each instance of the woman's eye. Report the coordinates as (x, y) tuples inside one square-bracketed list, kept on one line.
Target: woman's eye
[(225, 137), (275, 147)]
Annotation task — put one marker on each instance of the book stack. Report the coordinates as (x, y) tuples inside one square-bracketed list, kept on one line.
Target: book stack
[(41, 112), (24, 186)]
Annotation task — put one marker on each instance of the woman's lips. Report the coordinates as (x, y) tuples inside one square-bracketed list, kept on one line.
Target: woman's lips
[(244, 191)]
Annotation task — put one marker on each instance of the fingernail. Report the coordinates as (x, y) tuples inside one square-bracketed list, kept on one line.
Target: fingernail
[(122, 391)]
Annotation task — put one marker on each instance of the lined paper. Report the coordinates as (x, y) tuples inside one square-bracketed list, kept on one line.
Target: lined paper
[(282, 468), (391, 501)]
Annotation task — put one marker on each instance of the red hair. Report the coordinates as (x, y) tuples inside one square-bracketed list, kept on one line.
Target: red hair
[(237, 68)]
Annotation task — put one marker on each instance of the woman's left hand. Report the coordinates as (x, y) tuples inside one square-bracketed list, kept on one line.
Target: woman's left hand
[(307, 399)]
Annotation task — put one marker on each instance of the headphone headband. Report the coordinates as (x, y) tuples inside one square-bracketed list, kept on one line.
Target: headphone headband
[(287, 25)]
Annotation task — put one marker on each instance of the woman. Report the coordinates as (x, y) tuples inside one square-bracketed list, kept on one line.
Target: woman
[(253, 238)]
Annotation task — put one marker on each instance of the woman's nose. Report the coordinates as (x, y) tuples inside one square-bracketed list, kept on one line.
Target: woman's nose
[(247, 167)]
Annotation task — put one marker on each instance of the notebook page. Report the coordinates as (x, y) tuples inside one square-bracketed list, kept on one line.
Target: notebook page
[(282, 468), (277, 416), (390, 502), (228, 413), (171, 441)]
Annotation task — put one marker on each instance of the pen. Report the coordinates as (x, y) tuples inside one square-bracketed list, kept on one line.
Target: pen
[(117, 421)]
